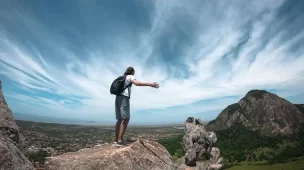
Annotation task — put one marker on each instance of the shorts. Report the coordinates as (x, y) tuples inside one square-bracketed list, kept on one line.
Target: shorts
[(122, 107)]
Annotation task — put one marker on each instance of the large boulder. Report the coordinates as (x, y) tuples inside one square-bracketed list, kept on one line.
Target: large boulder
[(11, 146), (141, 154), (199, 147)]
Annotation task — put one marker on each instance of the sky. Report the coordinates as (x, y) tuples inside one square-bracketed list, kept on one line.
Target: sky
[(58, 58)]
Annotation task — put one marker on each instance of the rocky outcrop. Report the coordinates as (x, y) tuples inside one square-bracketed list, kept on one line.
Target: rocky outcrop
[(11, 144), (141, 154), (263, 111), (199, 147), (146, 154)]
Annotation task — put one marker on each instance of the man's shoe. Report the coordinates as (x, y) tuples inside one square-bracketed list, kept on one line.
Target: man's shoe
[(122, 143)]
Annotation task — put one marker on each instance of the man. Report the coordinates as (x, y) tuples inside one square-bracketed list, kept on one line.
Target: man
[(122, 104)]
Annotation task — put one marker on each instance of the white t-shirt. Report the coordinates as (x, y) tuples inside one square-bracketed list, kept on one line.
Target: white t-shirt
[(129, 80)]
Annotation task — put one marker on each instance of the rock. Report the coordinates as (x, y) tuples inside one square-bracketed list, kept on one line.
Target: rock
[(215, 160), (190, 119), (11, 157), (190, 157), (11, 142), (215, 167), (220, 161), (215, 153), (139, 155), (198, 145)]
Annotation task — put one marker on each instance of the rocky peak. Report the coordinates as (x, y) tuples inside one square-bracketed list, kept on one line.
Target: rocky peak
[(256, 94), (10, 140), (263, 111), (200, 152)]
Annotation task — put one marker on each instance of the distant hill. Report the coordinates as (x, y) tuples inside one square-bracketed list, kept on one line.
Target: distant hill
[(262, 111), (48, 119)]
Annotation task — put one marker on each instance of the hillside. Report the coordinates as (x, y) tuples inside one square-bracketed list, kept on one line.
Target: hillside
[(261, 111), (300, 107)]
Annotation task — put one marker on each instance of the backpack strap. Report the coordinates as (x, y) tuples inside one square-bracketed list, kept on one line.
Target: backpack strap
[(127, 86)]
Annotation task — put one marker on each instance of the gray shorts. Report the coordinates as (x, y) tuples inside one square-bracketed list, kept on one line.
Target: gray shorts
[(122, 107)]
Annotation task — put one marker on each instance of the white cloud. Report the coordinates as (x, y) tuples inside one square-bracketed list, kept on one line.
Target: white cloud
[(219, 26)]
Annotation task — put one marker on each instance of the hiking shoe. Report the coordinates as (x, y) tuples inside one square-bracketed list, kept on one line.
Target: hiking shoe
[(123, 143)]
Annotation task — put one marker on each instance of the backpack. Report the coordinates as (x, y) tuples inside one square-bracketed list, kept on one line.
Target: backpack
[(117, 86)]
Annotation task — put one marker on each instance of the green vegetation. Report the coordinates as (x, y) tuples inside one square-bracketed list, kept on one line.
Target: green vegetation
[(39, 156), (243, 148), (212, 122), (257, 94), (174, 145), (281, 123), (300, 107), (238, 144), (232, 109), (205, 156), (292, 164)]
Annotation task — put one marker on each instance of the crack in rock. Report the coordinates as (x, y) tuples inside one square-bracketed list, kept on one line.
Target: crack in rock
[(156, 154)]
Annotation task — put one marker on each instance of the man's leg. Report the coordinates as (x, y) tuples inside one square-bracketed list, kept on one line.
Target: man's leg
[(117, 128), (118, 102), (125, 115), (123, 128)]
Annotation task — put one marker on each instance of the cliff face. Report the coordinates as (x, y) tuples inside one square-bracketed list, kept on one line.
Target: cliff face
[(263, 111), (10, 141)]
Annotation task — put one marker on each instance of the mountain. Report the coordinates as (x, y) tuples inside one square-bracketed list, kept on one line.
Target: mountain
[(262, 111)]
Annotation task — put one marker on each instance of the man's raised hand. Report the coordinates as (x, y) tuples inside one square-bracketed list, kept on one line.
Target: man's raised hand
[(155, 85)]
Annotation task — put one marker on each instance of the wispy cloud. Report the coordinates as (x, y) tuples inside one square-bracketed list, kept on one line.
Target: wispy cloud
[(196, 51)]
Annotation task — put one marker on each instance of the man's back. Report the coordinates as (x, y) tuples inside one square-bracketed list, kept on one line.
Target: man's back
[(128, 80)]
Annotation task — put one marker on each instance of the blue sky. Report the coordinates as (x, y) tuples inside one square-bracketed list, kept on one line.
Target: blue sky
[(58, 58)]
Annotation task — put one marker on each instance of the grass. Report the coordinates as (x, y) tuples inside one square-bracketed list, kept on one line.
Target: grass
[(293, 164)]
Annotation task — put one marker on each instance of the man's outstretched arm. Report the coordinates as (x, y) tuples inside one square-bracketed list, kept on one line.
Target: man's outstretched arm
[(138, 83)]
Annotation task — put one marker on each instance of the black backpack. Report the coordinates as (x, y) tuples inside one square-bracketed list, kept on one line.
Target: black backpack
[(117, 86)]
